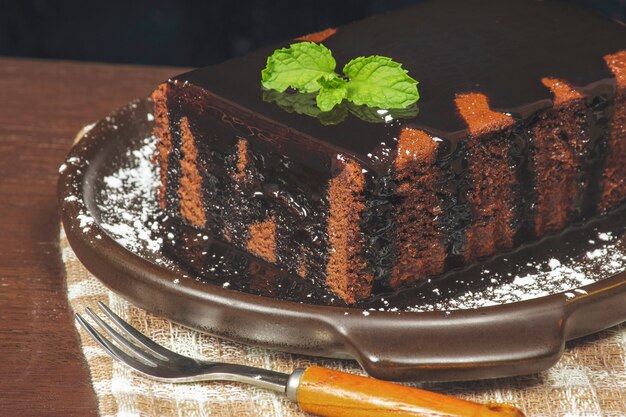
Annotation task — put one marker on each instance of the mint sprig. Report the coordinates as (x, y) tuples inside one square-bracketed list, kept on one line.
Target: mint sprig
[(374, 81)]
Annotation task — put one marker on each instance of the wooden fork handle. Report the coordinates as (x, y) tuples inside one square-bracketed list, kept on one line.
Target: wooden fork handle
[(331, 393)]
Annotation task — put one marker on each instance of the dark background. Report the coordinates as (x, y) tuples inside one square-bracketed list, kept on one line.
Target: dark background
[(185, 33)]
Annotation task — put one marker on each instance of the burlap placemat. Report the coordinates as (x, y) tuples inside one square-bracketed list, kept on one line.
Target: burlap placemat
[(589, 380)]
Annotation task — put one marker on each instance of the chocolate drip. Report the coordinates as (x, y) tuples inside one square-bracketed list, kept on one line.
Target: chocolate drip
[(600, 110), (522, 153), (456, 213), (380, 221), (172, 199)]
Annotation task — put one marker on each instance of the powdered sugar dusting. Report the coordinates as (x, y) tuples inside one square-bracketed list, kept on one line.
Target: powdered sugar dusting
[(128, 201)]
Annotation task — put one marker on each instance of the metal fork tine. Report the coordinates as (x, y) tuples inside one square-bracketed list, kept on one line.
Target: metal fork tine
[(134, 349), (179, 368), (113, 350), (138, 337)]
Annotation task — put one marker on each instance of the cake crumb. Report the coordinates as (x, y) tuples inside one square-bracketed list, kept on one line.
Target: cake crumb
[(554, 263)]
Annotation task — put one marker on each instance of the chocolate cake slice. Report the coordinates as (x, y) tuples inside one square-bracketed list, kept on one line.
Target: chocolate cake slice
[(521, 131)]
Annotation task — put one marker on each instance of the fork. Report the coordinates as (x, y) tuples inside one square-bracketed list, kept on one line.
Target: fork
[(315, 389)]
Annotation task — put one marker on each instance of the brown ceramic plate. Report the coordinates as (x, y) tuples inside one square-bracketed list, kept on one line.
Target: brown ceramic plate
[(500, 340)]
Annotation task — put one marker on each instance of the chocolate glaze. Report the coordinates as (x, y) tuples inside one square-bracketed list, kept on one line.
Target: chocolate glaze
[(450, 47)]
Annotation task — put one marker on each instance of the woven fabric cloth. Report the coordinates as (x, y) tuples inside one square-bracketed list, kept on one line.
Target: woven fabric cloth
[(589, 380)]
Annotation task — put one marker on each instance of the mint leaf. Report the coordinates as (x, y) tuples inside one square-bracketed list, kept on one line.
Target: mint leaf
[(299, 66), (333, 92), (378, 81)]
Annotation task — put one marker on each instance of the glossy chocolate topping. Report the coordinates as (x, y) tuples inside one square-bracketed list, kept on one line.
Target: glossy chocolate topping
[(500, 48)]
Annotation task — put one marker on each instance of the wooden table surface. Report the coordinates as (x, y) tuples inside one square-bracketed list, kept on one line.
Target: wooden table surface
[(42, 106)]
